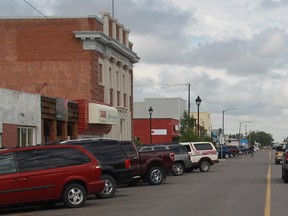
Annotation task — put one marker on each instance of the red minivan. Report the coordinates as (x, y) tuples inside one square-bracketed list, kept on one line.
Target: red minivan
[(48, 174)]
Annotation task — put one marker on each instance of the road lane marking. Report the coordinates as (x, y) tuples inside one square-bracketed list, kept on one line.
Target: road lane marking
[(267, 211)]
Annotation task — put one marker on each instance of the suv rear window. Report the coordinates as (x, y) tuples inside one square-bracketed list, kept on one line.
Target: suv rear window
[(279, 148), (128, 147), (203, 146), (106, 151), (178, 149)]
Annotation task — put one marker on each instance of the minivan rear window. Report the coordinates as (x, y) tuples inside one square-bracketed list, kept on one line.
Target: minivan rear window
[(7, 162), (34, 160)]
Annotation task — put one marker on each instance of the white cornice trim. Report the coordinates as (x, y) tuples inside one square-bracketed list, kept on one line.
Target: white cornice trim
[(94, 40)]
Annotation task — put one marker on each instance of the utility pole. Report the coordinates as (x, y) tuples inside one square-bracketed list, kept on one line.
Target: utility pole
[(112, 8), (189, 98)]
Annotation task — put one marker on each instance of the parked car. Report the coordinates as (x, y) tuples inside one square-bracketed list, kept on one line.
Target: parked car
[(285, 164), (243, 150), (116, 167), (48, 174), (182, 158), (223, 152), (234, 150), (279, 151), (202, 154), (149, 166)]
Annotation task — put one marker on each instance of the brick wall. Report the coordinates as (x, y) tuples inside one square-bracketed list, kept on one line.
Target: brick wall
[(43, 56)]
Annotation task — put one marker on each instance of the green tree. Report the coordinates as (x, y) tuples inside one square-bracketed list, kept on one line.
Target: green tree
[(265, 139), (188, 132)]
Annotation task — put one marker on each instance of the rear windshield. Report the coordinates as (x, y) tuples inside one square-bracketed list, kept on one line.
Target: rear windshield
[(106, 151), (179, 149), (128, 147), (280, 148), (203, 146)]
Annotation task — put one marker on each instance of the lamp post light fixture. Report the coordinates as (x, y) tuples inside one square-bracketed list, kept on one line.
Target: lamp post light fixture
[(223, 134), (198, 102), (150, 113), (240, 129)]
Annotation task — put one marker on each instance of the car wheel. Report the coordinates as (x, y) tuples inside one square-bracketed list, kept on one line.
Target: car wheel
[(204, 166), (226, 156), (74, 195), (155, 176), (285, 176), (277, 161), (109, 189), (177, 169)]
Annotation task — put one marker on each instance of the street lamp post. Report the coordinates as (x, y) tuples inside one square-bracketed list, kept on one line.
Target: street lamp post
[(223, 134), (150, 113), (198, 102), (240, 129)]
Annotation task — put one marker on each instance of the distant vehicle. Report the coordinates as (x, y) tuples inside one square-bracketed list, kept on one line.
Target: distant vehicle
[(223, 152), (234, 150), (48, 174), (285, 164), (279, 151), (202, 154), (243, 150), (149, 166)]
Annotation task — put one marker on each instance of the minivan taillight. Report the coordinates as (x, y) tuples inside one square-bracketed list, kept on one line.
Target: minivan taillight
[(172, 156), (98, 168), (127, 164)]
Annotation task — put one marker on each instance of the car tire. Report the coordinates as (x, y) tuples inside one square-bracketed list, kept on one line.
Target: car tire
[(226, 156), (109, 189), (204, 166), (155, 176), (177, 169), (74, 195), (277, 161), (285, 176)]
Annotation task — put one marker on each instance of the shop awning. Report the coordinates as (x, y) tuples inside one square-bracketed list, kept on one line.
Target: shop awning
[(102, 114)]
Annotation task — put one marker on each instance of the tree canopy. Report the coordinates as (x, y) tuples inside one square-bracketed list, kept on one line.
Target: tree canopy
[(188, 130)]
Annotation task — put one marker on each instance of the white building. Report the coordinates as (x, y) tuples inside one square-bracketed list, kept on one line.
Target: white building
[(20, 113)]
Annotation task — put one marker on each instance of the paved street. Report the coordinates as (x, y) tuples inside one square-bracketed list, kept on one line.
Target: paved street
[(236, 186)]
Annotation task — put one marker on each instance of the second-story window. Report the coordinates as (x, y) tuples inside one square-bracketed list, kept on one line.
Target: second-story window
[(100, 73)]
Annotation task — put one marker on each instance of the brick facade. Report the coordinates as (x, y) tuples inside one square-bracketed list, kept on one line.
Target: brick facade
[(38, 51), (61, 58), (168, 126)]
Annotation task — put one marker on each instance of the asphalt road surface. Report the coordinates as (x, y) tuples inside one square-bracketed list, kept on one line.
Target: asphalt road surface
[(249, 186)]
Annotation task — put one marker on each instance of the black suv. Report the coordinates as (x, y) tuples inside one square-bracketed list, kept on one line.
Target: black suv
[(115, 164)]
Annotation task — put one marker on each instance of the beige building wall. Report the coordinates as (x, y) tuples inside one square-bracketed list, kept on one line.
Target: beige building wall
[(204, 120)]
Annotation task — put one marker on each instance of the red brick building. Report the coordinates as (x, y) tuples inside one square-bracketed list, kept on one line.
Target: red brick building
[(162, 130), (74, 58)]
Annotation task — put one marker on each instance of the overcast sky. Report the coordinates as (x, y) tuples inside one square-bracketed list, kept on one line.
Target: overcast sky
[(234, 53)]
